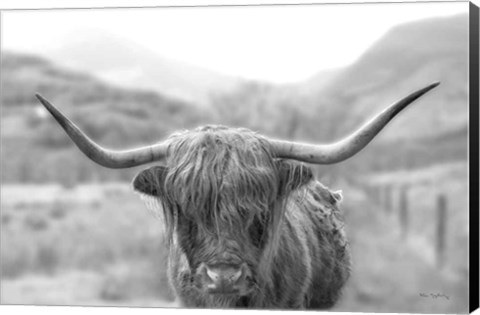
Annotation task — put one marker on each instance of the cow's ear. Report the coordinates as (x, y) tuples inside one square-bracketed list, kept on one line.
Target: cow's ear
[(150, 181), (337, 196), (292, 175)]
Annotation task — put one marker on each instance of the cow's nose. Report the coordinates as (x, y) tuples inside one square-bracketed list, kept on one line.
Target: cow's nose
[(224, 278), (228, 273)]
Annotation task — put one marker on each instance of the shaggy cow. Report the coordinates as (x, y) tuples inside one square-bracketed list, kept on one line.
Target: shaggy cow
[(246, 226)]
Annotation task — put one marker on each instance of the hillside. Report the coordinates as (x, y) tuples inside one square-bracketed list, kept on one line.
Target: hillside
[(322, 109), (334, 103), (131, 65), (113, 116), (408, 57)]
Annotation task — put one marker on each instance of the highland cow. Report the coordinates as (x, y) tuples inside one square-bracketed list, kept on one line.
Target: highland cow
[(246, 224)]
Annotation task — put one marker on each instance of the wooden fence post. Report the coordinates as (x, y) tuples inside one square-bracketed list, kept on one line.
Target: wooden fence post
[(377, 194), (373, 193), (403, 210), (387, 198), (370, 191), (441, 229)]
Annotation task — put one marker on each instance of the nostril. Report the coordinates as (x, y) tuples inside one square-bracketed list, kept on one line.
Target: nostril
[(212, 275), (236, 275), (224, 273)]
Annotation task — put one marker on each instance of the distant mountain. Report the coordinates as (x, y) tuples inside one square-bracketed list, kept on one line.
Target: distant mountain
[(77, 92), (334, 103), (33, 145), (322, 109), (119, 61), (316, 83), (407, 58)]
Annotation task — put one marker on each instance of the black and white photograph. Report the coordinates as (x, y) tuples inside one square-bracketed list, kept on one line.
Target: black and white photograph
[(282, 156)]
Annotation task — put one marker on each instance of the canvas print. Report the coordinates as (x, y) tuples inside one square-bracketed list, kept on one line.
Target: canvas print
[(270, 157)]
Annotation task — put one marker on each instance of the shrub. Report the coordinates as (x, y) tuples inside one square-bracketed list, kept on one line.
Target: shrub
[(13, 267), (47, 259), (113, 289), (21, 205), (6, 219), (36, 222), (58, 210)]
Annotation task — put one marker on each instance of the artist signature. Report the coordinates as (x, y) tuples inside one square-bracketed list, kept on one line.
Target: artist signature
[(435, 296)]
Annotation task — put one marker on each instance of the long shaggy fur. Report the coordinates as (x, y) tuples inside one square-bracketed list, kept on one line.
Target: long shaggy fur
[(225, 198)]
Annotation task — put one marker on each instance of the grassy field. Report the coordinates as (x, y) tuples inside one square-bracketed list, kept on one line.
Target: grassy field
[(391, 273), (94, 244), (98, 245), (422, 192)]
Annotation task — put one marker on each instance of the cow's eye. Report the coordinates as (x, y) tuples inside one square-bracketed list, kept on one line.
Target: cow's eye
[(257, 231)]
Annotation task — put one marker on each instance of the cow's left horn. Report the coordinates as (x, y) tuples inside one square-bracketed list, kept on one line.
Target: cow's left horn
[(349, 146), (102, 156)]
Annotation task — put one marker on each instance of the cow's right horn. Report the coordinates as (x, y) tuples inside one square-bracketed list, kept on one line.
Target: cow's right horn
[(349, 146), (102, 156)]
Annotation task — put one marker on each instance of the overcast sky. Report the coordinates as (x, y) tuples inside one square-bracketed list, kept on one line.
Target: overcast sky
[(273, 43)]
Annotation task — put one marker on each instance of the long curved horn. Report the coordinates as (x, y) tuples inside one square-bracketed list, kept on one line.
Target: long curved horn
[(349, 146), (102, 156)]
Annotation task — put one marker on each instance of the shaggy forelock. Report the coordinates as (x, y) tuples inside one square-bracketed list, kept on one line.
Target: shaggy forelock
[(219, 176)]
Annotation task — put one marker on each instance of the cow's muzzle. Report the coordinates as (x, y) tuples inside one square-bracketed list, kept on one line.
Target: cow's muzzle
[(224, 278)]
